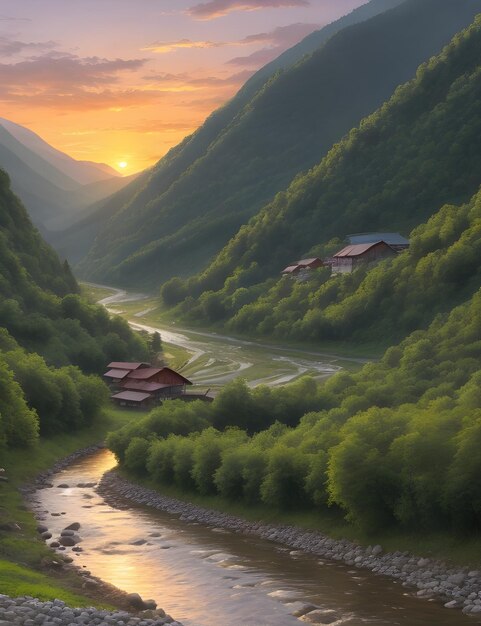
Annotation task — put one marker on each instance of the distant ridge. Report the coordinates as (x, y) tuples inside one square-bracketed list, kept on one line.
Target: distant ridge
[(55, 188)]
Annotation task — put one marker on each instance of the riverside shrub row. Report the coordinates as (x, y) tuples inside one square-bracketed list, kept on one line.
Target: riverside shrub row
[(393, 445)]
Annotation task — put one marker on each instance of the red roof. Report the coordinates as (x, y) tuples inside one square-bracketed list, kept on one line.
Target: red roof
[(170, 376), (116, 373), (131, 396), (142, 385), (358, 249), (145, 373), (306, 262), (121, 365)]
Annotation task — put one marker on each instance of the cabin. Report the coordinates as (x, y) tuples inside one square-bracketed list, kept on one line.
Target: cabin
[(119, 370), (140, 385), (353, 256), (396, 241), (133, 399), (302, 267), (311, 264), (163, 382)]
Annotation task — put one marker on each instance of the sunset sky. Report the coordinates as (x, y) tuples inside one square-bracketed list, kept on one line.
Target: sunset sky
[(122, 81)]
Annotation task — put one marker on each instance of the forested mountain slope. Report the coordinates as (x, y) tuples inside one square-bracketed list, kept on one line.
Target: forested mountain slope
[(45, 328), (419, 151), (442, 268), (286, 128)]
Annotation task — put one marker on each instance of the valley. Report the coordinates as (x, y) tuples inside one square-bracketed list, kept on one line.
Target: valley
[(210, 360)]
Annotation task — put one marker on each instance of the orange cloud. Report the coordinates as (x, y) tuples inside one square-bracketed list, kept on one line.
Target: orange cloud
[(163, 47), (218, 8)]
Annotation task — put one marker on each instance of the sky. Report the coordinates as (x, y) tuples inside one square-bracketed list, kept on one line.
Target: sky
[(123, 81)]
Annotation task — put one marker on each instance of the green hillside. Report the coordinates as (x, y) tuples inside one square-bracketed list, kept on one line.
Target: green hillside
[(399, 295), (76, 241), (189, 210), (46, 329), (392, 446), (419, 151)]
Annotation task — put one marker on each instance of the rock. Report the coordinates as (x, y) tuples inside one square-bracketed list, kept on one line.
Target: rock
[(138, 542), (321, 616), (453, 604), (67, 533), (46, 536), (54, 544), (298, 609), (42, 529), (135, 601), (67, 541), (376, 551), (63, 486), (150, 605), (75, 526)]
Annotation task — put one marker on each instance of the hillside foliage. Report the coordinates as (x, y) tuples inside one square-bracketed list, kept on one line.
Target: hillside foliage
[(196, 198), (52, 341), (418, 152), (392, 446)]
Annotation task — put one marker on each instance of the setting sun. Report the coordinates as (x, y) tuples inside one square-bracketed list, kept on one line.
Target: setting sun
[(123, 165)]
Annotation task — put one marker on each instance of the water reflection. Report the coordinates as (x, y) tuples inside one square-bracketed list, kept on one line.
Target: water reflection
[(204, 577)]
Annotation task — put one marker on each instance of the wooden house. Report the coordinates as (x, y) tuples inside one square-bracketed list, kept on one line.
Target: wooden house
[(133, 399), (140, 384), (352, 256), (302, 267)]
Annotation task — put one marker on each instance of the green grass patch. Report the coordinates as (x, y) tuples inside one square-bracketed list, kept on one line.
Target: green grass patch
[(94, 293), (455, 549), (16, 580)]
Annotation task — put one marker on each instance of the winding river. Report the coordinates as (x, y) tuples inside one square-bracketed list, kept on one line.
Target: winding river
[(203, 576)]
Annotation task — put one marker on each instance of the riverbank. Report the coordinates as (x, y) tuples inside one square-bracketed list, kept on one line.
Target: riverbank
[(28, 567), (456, 587)]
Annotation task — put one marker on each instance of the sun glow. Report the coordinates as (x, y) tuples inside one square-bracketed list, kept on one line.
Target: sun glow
[(123, 165)]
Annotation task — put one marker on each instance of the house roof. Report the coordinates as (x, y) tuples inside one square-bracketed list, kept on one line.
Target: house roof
[(121, 365), (131, 396), (116, 373), (290, 269), (143, 385), (393, 239), (308, 261), (358, 249), (144, 374)]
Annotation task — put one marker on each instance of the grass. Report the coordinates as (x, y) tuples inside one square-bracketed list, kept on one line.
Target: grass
[(455, 549), (25, 559), (93, 293)]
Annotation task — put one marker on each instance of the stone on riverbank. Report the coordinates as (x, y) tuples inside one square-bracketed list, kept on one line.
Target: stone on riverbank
[(427, 578)]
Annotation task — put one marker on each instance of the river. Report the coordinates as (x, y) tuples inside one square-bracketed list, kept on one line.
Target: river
[(207, 577), (216, 359)]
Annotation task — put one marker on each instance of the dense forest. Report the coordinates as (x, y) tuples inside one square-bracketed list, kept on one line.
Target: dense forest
[(52, 341), (393, 445), (420, 151), (196, 199)]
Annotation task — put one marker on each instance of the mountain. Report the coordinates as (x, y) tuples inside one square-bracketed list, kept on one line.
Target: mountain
[(198, 196), (55, 188), (419, 151), (82, 172), (45, 328)]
